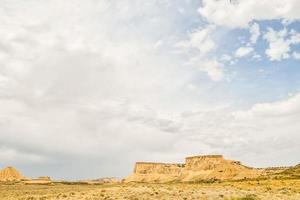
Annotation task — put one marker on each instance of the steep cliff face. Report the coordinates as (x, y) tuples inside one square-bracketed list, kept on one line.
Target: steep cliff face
[(216, 167), (157, 168), (155, 172), (195, 168)]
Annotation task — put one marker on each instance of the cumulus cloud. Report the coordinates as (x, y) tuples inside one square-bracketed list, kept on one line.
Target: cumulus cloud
[(260, 130), (226, 57), (255, 32), (200, 40), (213, 68), (288, 107), (240, 12), (248, 14), (96, 85), (296, 55), (77, 75), (280, 43), (243, 51), (199, 44)]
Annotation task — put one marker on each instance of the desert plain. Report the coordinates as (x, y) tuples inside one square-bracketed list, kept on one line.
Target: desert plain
[(200, 177), (229, 190)]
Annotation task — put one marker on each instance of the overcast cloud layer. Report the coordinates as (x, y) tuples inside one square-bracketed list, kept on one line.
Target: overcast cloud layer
[(89, 87)]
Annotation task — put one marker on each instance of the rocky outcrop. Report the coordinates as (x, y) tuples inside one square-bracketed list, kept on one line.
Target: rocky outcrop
[(216, 167), (155, 172), (10, 174), (107, 180), (43, 178), (196, 168), (104, 180)]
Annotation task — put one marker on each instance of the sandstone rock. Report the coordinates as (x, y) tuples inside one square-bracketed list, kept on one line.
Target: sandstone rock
[(108, 180), (216, 167), (155, 172), (44, 178), (101, 180), (10, 174), (196, 168)]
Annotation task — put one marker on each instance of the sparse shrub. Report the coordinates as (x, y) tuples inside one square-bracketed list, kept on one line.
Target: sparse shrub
[(248, 197)]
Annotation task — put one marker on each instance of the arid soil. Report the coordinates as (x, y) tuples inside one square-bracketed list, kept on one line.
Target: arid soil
[(239, 190)]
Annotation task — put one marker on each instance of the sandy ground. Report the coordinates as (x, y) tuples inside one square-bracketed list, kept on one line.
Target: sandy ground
[(243, 190)]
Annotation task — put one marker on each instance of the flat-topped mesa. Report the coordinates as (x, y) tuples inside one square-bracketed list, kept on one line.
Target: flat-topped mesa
[(203, 167), (158, 168), (204, 156)]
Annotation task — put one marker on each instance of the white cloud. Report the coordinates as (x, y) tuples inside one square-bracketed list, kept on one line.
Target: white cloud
[(278, 47), (200, 39), (245, 13), (287, 107), (243, 51), (280, 43), (198, 46), (226, 57), (94, 83), (255, 32), (213, 68), (263, 129), (240, 13), (296, 55), (62, 61)]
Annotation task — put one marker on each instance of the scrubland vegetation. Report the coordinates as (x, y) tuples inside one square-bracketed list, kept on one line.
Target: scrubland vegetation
[(229, 190)]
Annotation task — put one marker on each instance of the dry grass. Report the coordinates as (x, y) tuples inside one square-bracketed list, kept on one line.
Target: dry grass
[(243, 190)]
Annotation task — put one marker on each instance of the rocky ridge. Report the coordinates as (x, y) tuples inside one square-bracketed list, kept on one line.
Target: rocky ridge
[(196, 168)]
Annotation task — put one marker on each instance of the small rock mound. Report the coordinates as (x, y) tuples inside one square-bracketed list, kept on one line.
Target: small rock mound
[(108, 180), (10, 174)]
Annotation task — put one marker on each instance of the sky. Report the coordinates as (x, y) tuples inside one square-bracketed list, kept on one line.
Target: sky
[(87, 88)]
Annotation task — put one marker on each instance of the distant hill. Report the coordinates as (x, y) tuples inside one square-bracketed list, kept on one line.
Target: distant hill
[(10, 174), (292, 172)]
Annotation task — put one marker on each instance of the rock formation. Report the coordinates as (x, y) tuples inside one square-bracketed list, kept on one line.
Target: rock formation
[(107, 180), (196, 168), (155, 172), (103, 180), (10, 174), (216, 167), (43, 178)]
